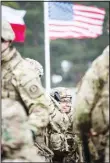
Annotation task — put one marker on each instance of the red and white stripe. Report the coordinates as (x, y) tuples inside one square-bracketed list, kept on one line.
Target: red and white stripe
[(15, 18), (87, 23)]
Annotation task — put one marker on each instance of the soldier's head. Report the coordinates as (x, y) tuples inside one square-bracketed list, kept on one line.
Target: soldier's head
[(36, 66), (7, 35), (64, 97)]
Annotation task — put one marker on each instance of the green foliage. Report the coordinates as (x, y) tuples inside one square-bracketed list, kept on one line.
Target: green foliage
[(11, 4), (79, 52)]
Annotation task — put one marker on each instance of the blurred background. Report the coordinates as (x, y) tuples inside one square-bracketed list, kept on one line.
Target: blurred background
[(70, 58)]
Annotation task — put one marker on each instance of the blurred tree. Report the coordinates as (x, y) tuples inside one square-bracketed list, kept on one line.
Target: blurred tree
[(11, 4)]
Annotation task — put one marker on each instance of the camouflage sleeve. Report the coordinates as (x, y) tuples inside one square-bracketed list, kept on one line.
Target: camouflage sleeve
[(33, 97), (58, 124), (88, 93), (57, 120)]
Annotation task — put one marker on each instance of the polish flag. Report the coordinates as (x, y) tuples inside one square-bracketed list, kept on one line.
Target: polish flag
[(15, 18)]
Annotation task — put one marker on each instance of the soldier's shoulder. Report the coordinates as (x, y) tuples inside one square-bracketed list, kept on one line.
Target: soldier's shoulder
[(101, 65), (106, 50), (103, 59), (105, 54), (24, 73), (24, 68)]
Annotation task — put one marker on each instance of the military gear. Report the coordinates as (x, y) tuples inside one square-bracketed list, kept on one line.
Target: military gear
[(36, 66), (7, 31), (57, 122), (92, 106), (20, 83), (57, 126), (44, 151), (57, 96), (62, 93), (70, 147)]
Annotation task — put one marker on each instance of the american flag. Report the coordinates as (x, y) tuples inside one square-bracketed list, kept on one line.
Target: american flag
[(69, 20)]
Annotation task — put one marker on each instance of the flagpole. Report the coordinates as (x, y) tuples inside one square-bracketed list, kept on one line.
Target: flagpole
[(47, 49)]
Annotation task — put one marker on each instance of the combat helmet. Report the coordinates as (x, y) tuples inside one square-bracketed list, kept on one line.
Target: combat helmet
[(7, 31), (60, 93), (36, 66)]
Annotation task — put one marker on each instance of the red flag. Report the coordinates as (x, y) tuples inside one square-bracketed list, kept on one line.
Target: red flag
[(15, 18)]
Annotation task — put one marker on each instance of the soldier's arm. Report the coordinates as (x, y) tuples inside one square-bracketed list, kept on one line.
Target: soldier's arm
[(38, 104), (33, 98), (88, 94)]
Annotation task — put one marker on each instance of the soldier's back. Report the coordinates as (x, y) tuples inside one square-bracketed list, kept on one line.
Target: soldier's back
[(100, 112), (92, 106)]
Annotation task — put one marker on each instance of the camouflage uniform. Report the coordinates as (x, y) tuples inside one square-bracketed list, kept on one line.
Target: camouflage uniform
[(17, 142), (19, 83), (57, 127), (36, 66), (92, 108), (70, 152), (58, 122)]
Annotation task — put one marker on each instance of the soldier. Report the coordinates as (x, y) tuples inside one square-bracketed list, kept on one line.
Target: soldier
[(58, 123), (70, 153), (91, 116), (21, 84)]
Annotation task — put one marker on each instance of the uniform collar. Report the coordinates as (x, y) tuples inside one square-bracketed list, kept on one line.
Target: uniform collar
[(8, 54)]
